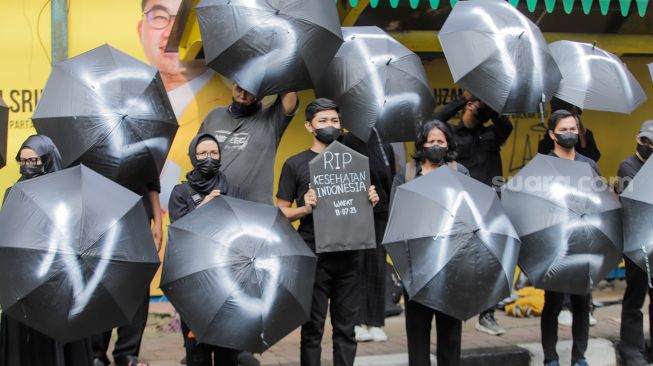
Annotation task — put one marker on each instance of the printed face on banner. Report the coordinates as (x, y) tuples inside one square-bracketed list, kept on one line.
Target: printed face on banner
[(154, 30)]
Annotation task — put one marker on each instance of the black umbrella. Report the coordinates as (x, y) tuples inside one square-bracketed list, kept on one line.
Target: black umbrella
[(76, 254), (239, 274), (569, 223), (452, 244), (378, 83), (269, 46), (499, 55), (637, 201), (109, 111), (4, 126)]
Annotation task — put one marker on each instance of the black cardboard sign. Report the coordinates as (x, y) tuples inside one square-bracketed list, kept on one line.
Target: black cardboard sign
[(343, 219)]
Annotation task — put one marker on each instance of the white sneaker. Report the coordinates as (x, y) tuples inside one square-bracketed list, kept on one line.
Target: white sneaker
[(565, 318), (362, 334), (378, 335), (593, 320)]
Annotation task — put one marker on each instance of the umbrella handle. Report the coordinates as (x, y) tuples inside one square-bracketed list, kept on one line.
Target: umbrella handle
[(542, 109), (385, 157), (648, 268)]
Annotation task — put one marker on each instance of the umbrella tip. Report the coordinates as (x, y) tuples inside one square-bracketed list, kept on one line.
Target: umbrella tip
[(390, 60), (593, 45), (521, 34)]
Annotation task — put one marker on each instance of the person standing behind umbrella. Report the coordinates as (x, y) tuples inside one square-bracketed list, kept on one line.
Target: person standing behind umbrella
[(435, 146), (21, 345), (563, 129), (204, 183), (479, 149), (632, 343), (337, 276), (249, 135), (586, 144), (371, 317)]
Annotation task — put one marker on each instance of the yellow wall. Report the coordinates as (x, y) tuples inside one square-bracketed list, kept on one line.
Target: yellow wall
[(24, 69)]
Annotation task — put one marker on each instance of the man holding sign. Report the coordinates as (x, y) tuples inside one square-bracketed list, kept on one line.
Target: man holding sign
[(337, 272)]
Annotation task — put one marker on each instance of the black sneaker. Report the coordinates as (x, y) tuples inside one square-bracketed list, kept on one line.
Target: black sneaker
[(487, 324)]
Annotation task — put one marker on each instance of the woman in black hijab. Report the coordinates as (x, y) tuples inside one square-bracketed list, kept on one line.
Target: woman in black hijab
[(21, 345), (204, 183)]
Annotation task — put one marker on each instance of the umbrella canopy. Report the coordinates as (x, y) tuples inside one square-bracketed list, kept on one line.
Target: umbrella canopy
[(637, 201), (4, 126), (109, 111), (452, 244), (239, 274), (378, 83), (499, 55), (269, 46), (595, 79), (569, 223), (76, 254)]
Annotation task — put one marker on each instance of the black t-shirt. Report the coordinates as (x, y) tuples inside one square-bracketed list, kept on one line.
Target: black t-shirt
[(293, 184), (627, 170)]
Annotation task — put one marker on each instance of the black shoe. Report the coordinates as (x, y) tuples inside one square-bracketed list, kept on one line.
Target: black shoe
[(247, 359)]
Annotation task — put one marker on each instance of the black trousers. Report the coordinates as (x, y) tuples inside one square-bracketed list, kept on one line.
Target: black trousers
[(373, 266), (129, 337), (580, 309), (418, 334), (336, 286), (200, 354), (632, 320)]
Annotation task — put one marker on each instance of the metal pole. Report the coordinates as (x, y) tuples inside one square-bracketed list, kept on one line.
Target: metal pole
[(59, 30)]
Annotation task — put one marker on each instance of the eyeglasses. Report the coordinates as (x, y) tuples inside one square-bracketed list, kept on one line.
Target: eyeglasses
[(159, 18), (213, 154), (30, 161)]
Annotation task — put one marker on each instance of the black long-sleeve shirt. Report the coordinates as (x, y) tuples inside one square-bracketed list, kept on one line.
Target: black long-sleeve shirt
[(479, 148)]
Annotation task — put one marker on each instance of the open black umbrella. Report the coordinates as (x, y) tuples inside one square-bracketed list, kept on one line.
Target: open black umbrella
[(452, 244), (568, 221), (499, 55), (109, 111), (76, 254), (269, 46), (239, 274), (378, 83), (595, 79), (637, 202), (4, 126)]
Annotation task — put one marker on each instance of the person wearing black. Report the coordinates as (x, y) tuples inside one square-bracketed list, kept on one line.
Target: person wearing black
[(563, 130), (586, 144), (130, 336), (479, 149), (435, 146), (632, 346), (337, 275), (21, 345), (371, 315), (204, 183)]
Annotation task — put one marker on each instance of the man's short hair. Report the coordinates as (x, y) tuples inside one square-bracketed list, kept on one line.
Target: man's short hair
[(320, 105), (143, 3), (557, 116)]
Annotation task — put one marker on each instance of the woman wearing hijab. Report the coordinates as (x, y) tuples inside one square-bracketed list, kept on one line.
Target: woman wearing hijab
[(204, 183), (21, 345)]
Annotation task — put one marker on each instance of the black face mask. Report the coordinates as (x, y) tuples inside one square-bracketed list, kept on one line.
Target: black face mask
[(327, 134), (240, 110), (644, 151), (483, 114), (31, 171), (435, 154), (208, 167), (567, 140)]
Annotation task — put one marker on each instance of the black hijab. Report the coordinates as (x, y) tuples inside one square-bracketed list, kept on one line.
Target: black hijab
[(197, 181), (46, 150)]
